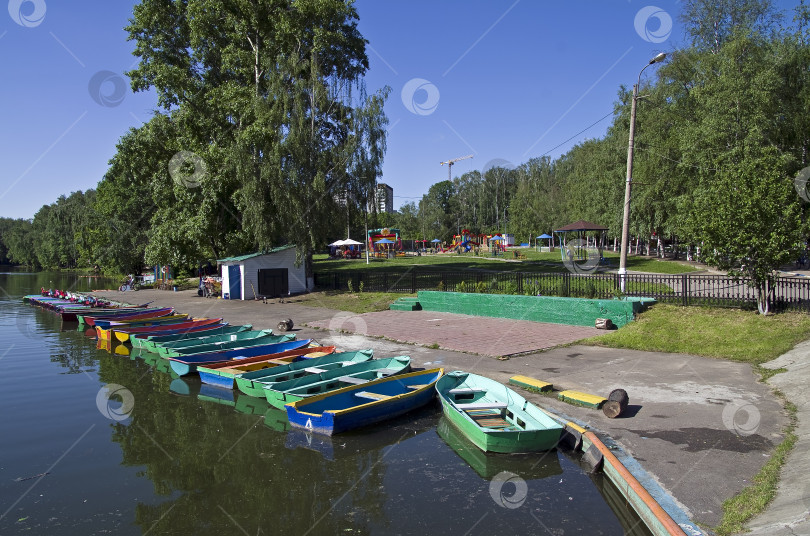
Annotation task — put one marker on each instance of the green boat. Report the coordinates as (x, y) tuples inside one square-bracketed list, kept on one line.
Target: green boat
[(281, 393), (151, 342), (273, 418), (262, 337), (169, 349), (494, 417), (253, 383)]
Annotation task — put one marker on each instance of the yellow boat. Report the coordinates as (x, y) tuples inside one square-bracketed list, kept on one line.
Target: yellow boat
[(107, 334)]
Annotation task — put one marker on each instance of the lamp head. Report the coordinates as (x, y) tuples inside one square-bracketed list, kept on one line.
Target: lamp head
[(659, 58)]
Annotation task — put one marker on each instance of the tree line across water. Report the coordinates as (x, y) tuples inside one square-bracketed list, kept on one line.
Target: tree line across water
[(265, 135)]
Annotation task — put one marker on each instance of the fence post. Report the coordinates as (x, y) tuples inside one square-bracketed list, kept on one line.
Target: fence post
[(520, 282), (335, 281), (567, 283), (685, 289), (413, 282)]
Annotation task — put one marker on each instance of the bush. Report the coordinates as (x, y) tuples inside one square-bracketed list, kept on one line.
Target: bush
[(509, 287)]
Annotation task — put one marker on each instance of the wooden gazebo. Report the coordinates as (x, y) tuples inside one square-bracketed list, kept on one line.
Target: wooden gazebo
[(582, 228)]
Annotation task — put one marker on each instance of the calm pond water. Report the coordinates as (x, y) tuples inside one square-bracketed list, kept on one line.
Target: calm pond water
[(168, 456)]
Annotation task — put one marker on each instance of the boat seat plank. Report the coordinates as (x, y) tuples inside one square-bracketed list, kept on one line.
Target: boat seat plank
[(492, 421), (418, 386), (371, 396), (314, 370), (350, 379), (485, 405), (465, 391), (388, 371)]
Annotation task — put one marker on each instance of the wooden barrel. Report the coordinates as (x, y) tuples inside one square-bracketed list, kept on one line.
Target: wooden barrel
[(285, 325), (616, 403)]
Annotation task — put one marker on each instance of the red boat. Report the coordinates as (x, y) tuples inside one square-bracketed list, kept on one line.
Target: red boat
[(123, 333), (139, 315)]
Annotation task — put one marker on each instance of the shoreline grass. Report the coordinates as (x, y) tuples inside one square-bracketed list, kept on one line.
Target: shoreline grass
[(353, 302), (732, 334)]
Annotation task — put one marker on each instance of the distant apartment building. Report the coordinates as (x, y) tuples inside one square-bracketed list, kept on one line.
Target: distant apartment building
[(383, 198)]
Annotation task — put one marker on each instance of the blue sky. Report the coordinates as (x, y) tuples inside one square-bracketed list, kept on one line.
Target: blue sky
[(508, 80)]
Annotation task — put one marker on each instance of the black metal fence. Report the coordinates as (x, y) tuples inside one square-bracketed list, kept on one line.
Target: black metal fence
[(790, 293)]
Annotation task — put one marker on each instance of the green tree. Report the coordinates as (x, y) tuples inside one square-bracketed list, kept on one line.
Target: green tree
[(438, 211), (751, 219), (262, 92), (18, 239), (710, 23)]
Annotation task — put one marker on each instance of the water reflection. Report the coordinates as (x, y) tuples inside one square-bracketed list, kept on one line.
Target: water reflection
[(218, 463), (527, 466), (217, 467)]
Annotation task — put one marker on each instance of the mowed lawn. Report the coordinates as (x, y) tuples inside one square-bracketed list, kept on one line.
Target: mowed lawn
[(712, 332)]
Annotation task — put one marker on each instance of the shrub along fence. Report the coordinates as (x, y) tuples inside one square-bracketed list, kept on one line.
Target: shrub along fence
[(790, 293)]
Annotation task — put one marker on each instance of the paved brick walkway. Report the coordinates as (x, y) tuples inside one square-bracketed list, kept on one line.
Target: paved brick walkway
[(464, 333)]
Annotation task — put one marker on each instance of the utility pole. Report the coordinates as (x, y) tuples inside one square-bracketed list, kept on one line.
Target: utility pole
[(629, 182)]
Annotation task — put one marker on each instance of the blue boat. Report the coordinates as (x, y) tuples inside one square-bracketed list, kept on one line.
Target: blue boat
[(188, 364), (361, 405), (209, 393)]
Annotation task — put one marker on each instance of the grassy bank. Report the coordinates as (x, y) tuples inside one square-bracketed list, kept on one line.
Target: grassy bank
[(354, 302), (712, 332)]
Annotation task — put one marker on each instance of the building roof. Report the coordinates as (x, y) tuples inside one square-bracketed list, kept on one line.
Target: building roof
[(241, 258), (581, 225)]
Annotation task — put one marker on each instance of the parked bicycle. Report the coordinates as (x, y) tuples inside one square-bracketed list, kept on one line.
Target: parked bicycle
[(130, 284)]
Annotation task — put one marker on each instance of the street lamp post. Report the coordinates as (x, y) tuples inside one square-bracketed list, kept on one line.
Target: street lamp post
[(628, 184)]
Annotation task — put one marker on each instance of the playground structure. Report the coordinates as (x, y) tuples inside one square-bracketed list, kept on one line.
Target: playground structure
[(390, 237), (467, 242)]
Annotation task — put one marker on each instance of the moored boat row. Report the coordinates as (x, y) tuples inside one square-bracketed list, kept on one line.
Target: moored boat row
[(320, 388)]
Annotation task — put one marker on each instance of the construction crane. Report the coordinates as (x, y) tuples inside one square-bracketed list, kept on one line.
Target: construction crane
[(450, 165)]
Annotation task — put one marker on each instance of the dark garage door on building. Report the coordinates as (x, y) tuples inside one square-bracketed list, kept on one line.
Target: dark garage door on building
[(274, 282)]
